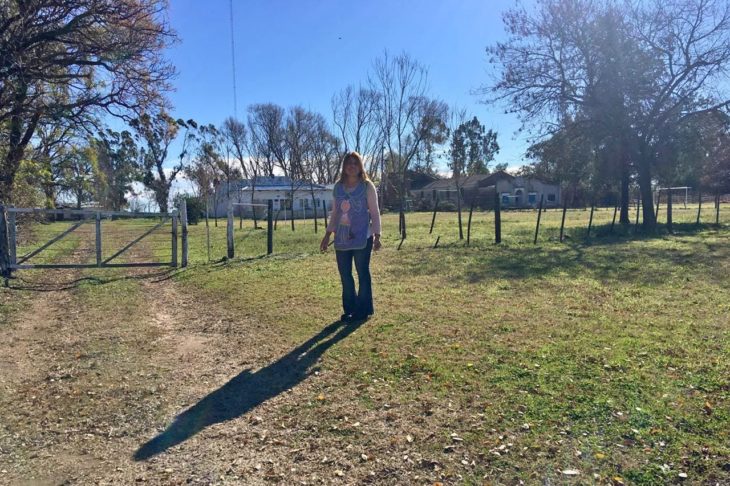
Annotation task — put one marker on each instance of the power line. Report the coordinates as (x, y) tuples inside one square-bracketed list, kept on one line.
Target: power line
[(233, 62)]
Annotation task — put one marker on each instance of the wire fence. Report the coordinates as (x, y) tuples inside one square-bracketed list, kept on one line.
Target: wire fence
[(149, 239)]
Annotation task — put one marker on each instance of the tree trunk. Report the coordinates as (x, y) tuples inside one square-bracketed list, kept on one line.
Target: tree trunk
[(624, 217), (161, 196), (18, 139), (314, 208), (669, 210), (253, 208), (647, 197)]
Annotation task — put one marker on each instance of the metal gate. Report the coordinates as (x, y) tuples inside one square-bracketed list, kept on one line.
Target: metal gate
[(66, 238)]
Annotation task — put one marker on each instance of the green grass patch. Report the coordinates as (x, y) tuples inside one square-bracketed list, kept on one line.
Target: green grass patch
[(609, 355)]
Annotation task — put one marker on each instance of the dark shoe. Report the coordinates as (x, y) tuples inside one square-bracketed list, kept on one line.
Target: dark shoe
[(346, 317), (360, 317)]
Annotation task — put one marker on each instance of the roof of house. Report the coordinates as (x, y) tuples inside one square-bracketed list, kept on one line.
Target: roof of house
[(450, 184), (282, 183)]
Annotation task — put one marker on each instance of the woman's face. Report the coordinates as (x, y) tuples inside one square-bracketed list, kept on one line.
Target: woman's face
[(352, 168)]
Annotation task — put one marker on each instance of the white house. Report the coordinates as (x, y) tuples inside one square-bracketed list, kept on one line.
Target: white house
[(282, 191)]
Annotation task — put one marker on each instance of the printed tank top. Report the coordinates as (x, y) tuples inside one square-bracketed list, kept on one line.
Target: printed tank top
[(351, 232)]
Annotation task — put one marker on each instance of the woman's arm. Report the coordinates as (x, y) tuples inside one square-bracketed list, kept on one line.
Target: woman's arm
[(334, 216), (374, 214), (331, 226)]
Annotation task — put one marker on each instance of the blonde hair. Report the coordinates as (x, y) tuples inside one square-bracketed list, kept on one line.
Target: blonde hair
[(358, 158)]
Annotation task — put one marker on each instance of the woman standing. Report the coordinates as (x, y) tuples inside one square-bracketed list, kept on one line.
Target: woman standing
[(355, 221)]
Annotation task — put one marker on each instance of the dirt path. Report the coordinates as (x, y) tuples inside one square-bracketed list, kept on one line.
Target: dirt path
[(125, 377), (86, 387)]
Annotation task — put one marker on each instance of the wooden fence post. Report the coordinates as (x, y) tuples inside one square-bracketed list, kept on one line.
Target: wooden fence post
[(98, 239), (174, 238), (229, 231), (324, 211), (638, 205), (613, 221), (717, 210), (539, 214), (269, 227), (184, 241), (433, 218), (658, 203), (562, 221), (403, 223), (12, 242), (468, 225), (699, 210), (590, 220), (4, 250), (497, 219)]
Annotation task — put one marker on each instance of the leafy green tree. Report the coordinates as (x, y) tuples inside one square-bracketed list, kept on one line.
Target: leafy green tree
[(117, 157), (631, 71), (472, 148), (70, 59), (78, 173), (156, 134)]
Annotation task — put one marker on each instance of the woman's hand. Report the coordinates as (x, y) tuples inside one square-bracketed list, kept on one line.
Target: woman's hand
[(376, 243), (325, 243)]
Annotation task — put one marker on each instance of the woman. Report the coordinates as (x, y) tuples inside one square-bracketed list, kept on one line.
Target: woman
[(355, 221)]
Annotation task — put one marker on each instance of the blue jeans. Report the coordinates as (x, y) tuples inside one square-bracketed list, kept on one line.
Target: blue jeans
[(358, 304)]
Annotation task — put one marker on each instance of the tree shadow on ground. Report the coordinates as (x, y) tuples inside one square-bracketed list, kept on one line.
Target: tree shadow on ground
[(247, 390), (604, 258)]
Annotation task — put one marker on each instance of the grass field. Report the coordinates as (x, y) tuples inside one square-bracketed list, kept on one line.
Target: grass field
[(593, 361)]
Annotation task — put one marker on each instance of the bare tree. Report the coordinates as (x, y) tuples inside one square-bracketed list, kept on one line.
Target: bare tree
[(406, 117), (323, 159), (354, 116), (266, 129), (240, 145), (299, 135)]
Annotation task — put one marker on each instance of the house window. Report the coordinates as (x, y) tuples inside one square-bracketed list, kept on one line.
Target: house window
[(532, 198), (551, 197), (433, 195), (505, 199)]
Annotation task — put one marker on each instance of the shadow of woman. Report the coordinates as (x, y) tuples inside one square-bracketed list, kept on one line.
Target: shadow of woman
[(247, 390)]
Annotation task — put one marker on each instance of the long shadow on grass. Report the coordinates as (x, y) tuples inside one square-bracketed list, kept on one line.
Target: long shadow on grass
[(248, 390)]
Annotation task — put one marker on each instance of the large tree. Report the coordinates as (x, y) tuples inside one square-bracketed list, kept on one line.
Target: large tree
[(65, 59), (117, 156), (630, 71)]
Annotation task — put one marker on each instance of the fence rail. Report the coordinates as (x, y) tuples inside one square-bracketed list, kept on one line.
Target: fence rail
[(110, 232)]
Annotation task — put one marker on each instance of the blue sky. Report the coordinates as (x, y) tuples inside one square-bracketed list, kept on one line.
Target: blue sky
[(302, 52)]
